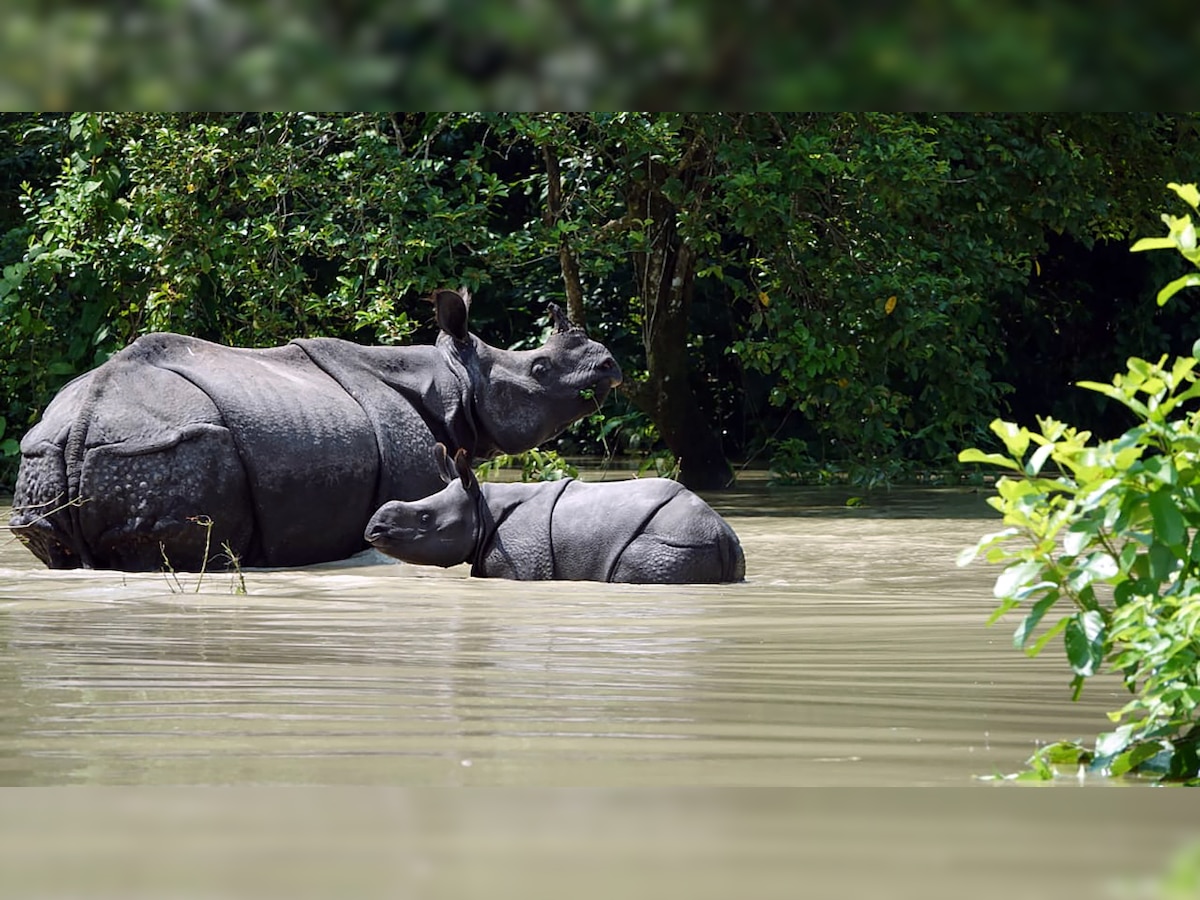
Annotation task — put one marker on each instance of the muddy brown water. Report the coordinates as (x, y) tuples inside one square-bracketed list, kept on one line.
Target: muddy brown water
[(855, 653)]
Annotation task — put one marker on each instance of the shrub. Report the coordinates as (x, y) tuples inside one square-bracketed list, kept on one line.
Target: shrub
[(1101, 542)]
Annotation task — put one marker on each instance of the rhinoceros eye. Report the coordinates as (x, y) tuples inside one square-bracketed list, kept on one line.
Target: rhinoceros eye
[(540, 368), (424, 518)]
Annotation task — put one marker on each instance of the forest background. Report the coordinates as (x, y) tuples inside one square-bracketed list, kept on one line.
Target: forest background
[(839, 295)]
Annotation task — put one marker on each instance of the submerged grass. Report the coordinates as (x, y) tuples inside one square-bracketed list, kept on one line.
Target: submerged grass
[(237, 584)]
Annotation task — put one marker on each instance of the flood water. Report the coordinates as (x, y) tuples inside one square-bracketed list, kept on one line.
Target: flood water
[(854, 654)]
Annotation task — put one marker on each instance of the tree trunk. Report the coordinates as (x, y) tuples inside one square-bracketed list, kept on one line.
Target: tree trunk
[(666, 276), (566, 258)]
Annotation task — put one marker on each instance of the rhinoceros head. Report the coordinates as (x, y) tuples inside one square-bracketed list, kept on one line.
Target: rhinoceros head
[(439, 530), (525, 397)]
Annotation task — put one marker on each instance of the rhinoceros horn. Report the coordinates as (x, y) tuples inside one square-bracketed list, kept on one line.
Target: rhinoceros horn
[(561, 322)]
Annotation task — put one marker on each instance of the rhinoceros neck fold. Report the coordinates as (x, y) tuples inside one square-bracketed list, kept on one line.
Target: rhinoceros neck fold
[(459, 412), (412, 396), (514, 531)]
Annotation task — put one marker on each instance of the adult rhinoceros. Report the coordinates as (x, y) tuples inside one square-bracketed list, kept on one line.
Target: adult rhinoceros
[(287, 451)]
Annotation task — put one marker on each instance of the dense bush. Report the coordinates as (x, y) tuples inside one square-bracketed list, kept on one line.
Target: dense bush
[(845, 295)]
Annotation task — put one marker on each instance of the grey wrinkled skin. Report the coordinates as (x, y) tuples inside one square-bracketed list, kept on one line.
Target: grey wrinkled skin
[(287, 450), (646, 531)]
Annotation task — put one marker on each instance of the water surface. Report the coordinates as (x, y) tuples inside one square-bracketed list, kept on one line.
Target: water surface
[(854, 654)]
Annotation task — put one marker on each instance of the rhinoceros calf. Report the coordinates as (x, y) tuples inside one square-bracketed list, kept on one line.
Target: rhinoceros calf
[(287, 451), (648, 531)]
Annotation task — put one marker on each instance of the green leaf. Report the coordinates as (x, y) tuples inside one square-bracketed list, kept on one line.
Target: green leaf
[(1078, 536), (1038, 459), (1017, 579), (1174, 287), (1064, 753), (1113, 742), (1030, 622), (1004, 607), (1115, 392), (1098, 566), (1168, 521), (967, 556), (1047, 636), (993, 459), (1163, 562), (1084, 638), (1158, 243), (1015, 438)]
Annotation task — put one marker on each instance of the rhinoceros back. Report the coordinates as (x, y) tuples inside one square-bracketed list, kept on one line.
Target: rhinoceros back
[(686, 541), (107, 473), (307, 448), (649, 530), (594, 524), (174, 430)]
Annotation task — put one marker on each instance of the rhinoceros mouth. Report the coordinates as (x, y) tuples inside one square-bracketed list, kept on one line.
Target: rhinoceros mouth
[(599, 389), (383, 534)]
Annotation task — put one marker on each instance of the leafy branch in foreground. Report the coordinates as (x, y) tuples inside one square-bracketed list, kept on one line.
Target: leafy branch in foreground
[(1106, 552)]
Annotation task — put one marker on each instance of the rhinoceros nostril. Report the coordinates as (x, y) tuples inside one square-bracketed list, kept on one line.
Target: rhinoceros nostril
[(609, 369)]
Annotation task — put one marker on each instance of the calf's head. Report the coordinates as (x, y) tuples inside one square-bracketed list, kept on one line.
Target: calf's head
[(524, 397), (439, 530)]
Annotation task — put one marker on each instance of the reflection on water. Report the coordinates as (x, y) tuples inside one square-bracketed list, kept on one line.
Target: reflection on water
[(855, 654)]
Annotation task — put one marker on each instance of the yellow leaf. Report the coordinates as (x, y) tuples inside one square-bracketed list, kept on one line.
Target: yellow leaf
[(843, 383), (1037, 267), (763, 298), (890, 305), (1188, 192)]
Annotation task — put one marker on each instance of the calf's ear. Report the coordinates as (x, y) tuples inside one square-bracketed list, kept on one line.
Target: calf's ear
[(442, 460), (463, 464), (451, 308)]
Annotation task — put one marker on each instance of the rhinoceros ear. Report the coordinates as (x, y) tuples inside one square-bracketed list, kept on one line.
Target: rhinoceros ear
[(452, 309), (442, 459), (462, 463)]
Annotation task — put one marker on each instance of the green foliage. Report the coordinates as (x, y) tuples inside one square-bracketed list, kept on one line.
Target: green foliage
[(1109, 540), (248, 229), (792, 463), (1102, 547), (861, 289), (255, 228), (591, 53), (1182, 237), (535, 465), (878, 293), (660, 464)]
